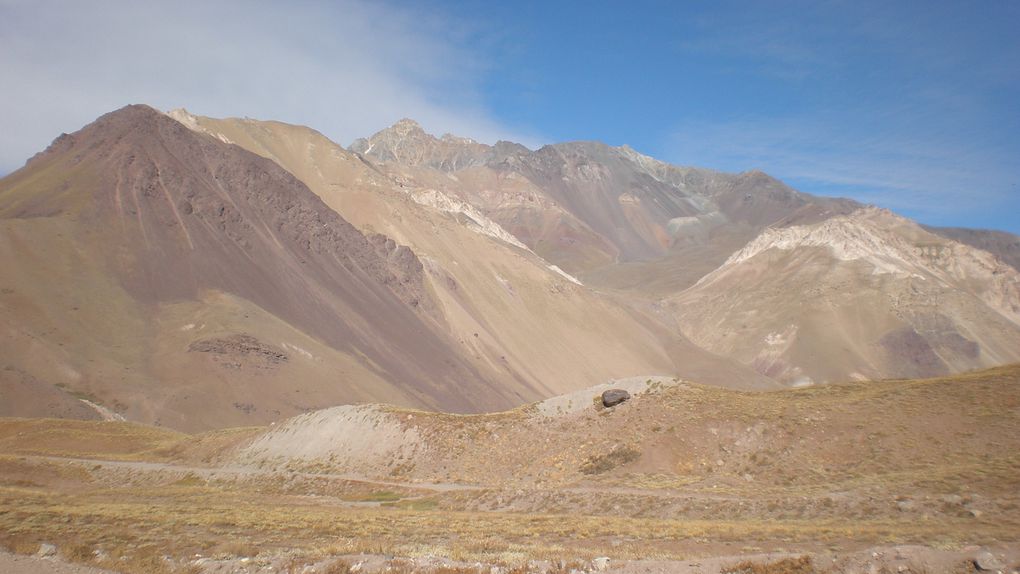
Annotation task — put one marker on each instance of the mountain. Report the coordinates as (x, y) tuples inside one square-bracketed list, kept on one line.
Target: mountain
[(856, 296), (798, 287), (1005, 246), (178, 279), (167, 272), (588, 207), (511, 310), (200, 273)]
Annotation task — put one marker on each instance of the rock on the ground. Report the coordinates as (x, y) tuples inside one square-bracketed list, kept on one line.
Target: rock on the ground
[(985, 560), (46, 550), (600, 563), (613, 397)]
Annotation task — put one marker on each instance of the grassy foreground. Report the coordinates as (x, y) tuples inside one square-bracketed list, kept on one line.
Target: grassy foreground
[(142, 499)]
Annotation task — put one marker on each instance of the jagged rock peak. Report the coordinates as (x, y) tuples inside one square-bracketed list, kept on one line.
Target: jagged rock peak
[(406, 125), (130, 120), (407, 143)]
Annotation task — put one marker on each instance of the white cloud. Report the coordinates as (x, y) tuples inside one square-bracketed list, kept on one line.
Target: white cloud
[(346, 68)]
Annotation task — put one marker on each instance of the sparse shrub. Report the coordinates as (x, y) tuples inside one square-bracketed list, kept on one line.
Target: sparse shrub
[(597, 464), (236, 549), (337, 567), (444, 569), (799, 565), (189, 479), (145, 560), (18, 544), (79, 552)]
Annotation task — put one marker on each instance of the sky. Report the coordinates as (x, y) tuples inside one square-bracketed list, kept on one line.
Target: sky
[(913, 106)]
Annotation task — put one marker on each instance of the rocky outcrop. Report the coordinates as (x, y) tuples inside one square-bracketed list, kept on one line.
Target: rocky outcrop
[(406, 143), (613, 397), (243, 347), (1005, 246)]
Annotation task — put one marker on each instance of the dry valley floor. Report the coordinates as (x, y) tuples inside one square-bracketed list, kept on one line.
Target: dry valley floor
[(883, 476)]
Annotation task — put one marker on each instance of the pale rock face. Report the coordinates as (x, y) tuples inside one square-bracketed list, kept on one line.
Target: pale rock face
[(895, 245), (867, 294), (191, 121), (566, 275), (438, 200), (848, 238)]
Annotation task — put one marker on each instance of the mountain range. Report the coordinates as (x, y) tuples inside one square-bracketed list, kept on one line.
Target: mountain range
[(201, 273)]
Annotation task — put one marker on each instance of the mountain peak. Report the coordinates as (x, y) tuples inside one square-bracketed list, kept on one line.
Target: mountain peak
[(134, 121), (406, 142), (130, 115), (405, 125)]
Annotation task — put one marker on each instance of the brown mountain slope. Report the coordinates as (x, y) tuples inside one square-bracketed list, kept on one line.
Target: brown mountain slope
[(679, 239), (586, 206), (1005, 246), (183, 280), (515, 317), (860, 296)]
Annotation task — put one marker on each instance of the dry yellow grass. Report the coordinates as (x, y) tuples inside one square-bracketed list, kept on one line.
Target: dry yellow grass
[(189, 518), (933, 462), (85, 439)]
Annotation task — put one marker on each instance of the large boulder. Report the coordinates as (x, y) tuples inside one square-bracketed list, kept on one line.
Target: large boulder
[(613, 397)]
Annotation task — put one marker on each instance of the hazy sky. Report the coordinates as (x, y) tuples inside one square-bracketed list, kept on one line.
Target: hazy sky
[(913, 106)]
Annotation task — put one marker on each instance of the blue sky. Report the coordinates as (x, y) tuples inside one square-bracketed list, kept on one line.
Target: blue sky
[(909, 105)]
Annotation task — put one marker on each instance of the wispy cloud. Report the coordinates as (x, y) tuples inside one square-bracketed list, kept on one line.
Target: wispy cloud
[(346, 68), (932, 176), (876, 101)]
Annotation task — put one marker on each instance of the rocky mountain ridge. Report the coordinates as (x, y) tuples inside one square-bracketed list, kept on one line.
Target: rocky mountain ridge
[(199, 272), (623, 220)]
